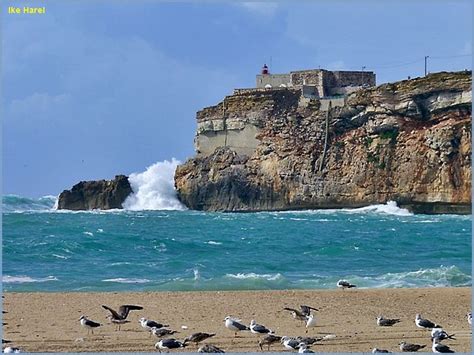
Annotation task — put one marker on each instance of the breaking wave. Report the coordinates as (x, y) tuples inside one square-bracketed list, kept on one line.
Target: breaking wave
[(14, 203), (154, 189), (26, 279)]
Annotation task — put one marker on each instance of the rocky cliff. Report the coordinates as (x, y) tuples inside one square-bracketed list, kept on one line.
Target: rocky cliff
[(408, 141), (101, 194)]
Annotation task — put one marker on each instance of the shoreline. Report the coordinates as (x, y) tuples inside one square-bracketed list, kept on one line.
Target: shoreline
[(348, 314)]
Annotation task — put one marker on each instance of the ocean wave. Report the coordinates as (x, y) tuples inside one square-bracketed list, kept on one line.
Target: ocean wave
[(154, 189), (211, 242), (390, 207), (26, 279), (268, 277), (443, 276), (127, 281), (19, 204)]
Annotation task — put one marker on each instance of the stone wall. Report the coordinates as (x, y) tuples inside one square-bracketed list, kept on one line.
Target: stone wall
[(275, 80)]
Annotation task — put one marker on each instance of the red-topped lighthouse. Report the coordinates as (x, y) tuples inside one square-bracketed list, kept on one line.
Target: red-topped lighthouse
[(265, 70)]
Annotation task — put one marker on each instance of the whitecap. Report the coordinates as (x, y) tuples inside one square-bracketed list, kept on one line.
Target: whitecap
[(211, 242), (127, 281), (88, 233), (26, 279), (252, 275)]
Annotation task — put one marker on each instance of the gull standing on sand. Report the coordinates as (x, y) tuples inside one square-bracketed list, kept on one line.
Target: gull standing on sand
[(408, 347), (161, 332), (269, 340), (437, 347), (310, 322), (345, 284), (234, 325), (196, 338), (377, 350), (258, 328), (121, 315), (469, 318), (308, 340), (290, 343), (208, 348), (440, 334), (88, 324), (386, 322), (169, 344), (425, 323), (149, 324)]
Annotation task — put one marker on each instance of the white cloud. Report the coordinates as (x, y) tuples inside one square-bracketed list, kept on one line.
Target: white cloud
[(264, 8)]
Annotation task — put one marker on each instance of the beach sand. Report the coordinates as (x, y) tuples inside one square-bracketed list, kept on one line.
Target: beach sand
[(49, 322)]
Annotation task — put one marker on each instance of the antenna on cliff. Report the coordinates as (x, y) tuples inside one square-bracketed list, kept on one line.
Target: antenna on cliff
[(426, 63)]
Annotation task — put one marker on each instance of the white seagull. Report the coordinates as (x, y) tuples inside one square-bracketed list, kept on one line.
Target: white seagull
[(258, 328), (310, 322), (408, 347), (345, 284), (469, 318), (425, 323), (290, 343), (440, 334), (10, 350), (150, 324), (88, 324), (169, 344), (377, 350), (234, 325), (303, 348), (437, 347)]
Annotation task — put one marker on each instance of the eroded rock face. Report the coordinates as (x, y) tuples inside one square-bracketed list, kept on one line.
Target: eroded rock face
[(101, 194), (408, 141)]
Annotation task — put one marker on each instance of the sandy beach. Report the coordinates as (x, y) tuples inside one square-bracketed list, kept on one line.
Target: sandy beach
[(49, 322)]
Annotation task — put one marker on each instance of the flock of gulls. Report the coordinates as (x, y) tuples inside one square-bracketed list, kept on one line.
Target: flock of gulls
[(267, 336)]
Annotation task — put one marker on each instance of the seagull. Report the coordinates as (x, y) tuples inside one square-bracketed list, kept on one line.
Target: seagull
[(10, 349), (169, 344), (196, 338), (210, 349), (469, 318), (234, 325), (121, 316), (377, 350), (408, 347), (425, 323), (437, 347), (303, 348), (386, 322), (89, 324), (269, 339), (440, 334), (345, 284), (149, 324), (310, 322), (160, 332), (258, 328), (290, 343), (301, 315)]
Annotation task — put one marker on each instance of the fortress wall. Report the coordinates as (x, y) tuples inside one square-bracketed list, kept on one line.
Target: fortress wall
[(275, 80), (243, 141), (354, 78)]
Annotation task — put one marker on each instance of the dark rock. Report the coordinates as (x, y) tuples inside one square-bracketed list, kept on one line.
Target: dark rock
[(101, 194)]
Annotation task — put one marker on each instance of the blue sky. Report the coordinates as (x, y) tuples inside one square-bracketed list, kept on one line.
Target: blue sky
[(97, 88)]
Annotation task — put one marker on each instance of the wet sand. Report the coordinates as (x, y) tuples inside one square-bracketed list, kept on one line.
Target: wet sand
[(49, 322)]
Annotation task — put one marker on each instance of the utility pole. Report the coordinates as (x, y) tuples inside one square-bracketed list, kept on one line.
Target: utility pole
[(426, 64)]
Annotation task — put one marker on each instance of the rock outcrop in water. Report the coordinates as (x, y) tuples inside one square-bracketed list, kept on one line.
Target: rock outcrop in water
[(408, 141), (101, 194)]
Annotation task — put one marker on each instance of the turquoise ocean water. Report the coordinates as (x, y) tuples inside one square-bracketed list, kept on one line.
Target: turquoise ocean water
[(133, 250)]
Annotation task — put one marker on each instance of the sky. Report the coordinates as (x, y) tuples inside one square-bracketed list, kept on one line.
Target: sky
[(92, 89)]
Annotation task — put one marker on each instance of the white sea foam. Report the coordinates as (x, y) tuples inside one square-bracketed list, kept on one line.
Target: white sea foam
[(252, 275), (127, 281), (26, 279), (88, 233), (154, 189), (389, 208), (211, 242)]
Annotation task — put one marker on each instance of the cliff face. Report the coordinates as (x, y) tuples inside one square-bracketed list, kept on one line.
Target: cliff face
[(101, 194), (408, 141)]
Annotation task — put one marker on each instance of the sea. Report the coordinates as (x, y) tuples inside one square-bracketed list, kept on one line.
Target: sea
[(156, 244)]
